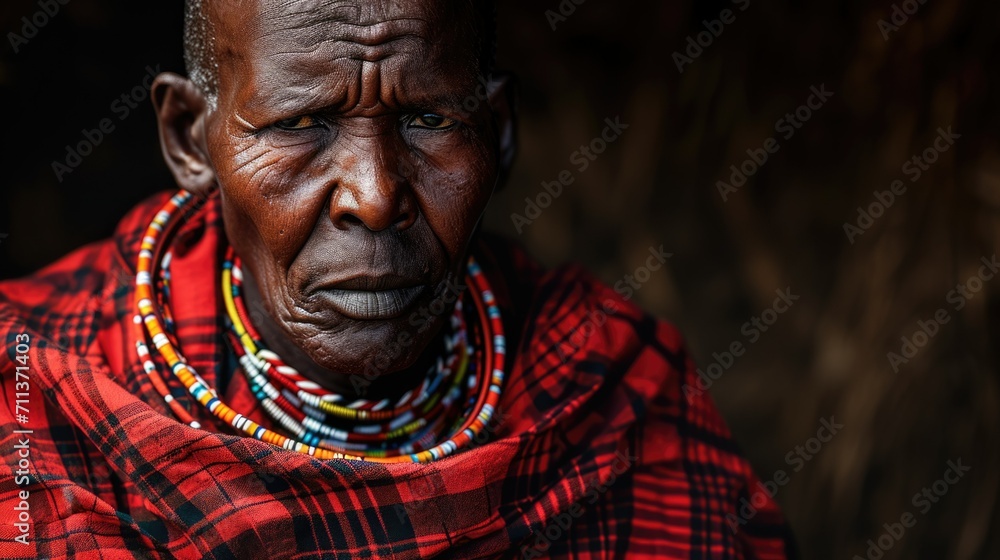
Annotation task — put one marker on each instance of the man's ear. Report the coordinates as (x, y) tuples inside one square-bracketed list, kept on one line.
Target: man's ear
[(503, 94), (181, 110)]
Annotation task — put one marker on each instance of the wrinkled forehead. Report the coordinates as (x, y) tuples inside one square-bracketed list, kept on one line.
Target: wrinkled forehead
[(306, 23), (280, 34), (308, 17)]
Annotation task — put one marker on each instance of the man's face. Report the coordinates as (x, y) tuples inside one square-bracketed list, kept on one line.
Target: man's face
[(352, 177)]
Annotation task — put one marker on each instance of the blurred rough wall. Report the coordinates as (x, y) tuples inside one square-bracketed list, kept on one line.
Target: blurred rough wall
[(657, 184)]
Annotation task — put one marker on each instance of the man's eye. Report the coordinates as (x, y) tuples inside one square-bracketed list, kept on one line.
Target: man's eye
[(431, 121), (299, 123)]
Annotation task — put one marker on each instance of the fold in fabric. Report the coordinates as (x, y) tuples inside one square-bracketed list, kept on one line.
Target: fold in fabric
[(595, 451)]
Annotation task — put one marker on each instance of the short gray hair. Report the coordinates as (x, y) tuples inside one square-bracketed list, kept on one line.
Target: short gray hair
[(199, 50)]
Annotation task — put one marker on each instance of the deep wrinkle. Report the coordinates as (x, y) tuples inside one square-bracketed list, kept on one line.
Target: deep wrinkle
[(341, 149)]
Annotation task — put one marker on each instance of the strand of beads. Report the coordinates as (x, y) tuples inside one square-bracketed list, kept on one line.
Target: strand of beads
[(425, 442), (309, 412), (270, 365)]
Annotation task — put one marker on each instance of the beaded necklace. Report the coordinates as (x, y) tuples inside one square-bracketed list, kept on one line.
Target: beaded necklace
[(445, 413), (311, 413)]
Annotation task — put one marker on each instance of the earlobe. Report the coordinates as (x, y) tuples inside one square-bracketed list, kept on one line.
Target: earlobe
[(503, 101), (181, 111)]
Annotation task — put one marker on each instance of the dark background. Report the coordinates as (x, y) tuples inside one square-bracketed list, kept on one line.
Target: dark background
[(827, 356)]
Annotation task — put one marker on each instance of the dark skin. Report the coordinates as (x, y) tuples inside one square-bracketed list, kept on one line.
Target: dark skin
[(352, 178)]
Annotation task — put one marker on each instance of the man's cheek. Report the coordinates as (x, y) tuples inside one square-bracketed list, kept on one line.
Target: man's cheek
[(258, 167), (280, 208), (452, 206), (451, 232)]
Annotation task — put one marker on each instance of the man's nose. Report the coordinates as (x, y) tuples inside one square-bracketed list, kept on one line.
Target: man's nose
[(371, 191)]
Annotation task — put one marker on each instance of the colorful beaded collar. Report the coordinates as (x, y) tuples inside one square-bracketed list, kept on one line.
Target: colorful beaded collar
[(444, 414)]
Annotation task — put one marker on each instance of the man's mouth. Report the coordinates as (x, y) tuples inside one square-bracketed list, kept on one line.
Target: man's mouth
[(372, 297)]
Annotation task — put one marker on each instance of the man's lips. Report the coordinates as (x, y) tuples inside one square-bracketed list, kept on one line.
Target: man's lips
[(372, 297), (374, 283)]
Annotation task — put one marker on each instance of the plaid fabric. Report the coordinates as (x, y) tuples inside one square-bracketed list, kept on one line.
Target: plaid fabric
[(597, 453)]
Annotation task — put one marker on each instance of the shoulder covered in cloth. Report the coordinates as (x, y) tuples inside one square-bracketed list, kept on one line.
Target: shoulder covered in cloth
[(595, 450)]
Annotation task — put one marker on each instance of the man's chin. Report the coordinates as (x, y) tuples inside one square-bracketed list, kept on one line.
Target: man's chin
[(367, 348), (379, 346)]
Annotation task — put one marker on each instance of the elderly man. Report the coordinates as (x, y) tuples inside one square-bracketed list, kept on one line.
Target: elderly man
[(309, 352)]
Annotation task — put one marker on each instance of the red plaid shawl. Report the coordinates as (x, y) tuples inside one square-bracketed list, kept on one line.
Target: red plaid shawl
[(598, 454)]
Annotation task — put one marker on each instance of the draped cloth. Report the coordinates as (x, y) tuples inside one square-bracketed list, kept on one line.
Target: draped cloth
[(595, 452)]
